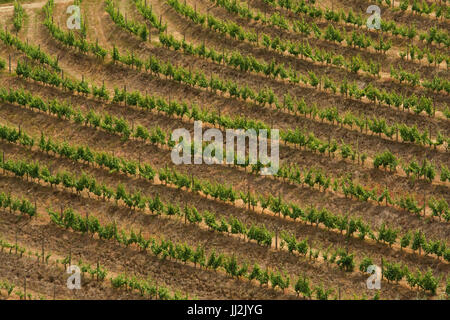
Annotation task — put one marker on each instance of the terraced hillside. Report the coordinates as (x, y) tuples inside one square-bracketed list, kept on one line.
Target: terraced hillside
[(87, 178)]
